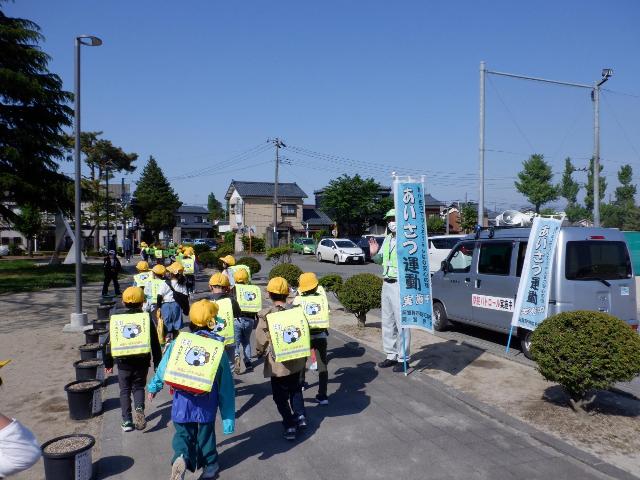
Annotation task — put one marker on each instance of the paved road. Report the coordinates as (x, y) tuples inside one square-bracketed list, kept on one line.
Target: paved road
[(379, 425)]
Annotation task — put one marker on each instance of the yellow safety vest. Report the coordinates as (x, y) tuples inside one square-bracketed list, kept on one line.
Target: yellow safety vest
[(193, 363), (224, 321), (189, 265), (289, 332), (129, 334), (315, 308), (249, 297), (158, 253), (155, 287), (141, 279)]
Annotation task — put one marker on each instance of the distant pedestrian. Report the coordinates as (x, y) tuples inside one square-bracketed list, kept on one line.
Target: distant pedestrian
[(227, 262), (188, 259), (144, 251), (111, 267), (249, 299), (168, 302), (151, 290), (229, 311), (126, 248), (112, 243)]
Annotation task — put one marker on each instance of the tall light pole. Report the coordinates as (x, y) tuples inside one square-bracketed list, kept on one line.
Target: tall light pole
[(278, 144), (78, 318), (606, 73)]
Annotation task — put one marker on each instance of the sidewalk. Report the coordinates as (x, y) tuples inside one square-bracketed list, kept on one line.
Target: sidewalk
[(379, 425)]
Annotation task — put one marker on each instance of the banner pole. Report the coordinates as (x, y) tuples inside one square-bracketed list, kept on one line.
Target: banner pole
[(404, 352), (509, 340)]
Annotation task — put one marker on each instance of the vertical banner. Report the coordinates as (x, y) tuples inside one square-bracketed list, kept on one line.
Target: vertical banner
[(416, 308), (532, 301)]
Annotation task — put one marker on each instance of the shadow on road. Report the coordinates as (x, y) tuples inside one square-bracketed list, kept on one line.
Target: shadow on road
[(113, 465), (450, 357), (164, 412)]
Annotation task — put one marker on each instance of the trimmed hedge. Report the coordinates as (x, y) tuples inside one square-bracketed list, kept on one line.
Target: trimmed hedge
[(584, 351), (361, 293), (208, 259), (201, 248), (290, 272), (331, 282), (252, 263), (257, 244)]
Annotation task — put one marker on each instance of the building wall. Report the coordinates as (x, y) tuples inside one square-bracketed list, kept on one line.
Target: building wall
[(259, 212)]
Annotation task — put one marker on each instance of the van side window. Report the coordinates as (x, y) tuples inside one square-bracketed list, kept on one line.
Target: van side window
[(522, 251), (460, 258), (495, 258)]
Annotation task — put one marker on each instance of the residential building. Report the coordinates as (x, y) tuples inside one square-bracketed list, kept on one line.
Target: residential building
[(250, 204), (315, 220), (192, 222)]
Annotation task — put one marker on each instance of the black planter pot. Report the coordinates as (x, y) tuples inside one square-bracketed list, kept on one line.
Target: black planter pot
[(104, 310), (73, 465), (84, 404), (96, 335), (86, 371), (90, 351), (101, 324)]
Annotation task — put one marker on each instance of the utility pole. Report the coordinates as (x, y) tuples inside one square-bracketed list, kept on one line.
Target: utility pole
[(123, 201), (278, 144), (483, 72), (595, 95), (106, 204)]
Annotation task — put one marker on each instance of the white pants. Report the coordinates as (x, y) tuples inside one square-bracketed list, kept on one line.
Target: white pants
[(391, 328)]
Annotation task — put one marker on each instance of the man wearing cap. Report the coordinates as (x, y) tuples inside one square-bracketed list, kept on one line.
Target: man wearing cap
[(390, 301), (111, 267)]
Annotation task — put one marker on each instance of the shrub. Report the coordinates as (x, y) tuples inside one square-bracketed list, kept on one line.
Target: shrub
[(289, 271), (257, 244), (331, 282), (208, 259), (201, 248), (230, 239), (280, 254), (15, 250), (361, 293), (252, 263), (584, 351), (224, 250)]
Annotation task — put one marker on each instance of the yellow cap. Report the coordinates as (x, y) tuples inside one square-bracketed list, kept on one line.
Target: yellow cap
[(308, 281), (3, 363), (159, 270), (229, 260), (133, 295), (189, 252), (175, 268), (142, 266), (219, 280), (241, 276), (143, 244), (278, 285), (202, 312)]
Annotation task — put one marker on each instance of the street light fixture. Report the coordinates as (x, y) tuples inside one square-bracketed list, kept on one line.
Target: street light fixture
[(78, 317)]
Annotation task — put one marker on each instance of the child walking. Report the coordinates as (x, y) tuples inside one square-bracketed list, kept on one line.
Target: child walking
[(249, 300), (169, 306), (229, 311), (132, 342), (194, 414), (286, 377)]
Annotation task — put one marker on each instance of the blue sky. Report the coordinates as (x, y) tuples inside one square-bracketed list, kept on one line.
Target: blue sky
[(386, 85)]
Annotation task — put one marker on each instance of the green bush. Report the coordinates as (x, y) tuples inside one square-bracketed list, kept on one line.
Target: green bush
[(15, 250), (289, 271), (201, 248), (224, 250), (585, 351), (280, 254), (257, 244), (361, 293), (331, 282), (208, 259), (252, 263), (230, 239)]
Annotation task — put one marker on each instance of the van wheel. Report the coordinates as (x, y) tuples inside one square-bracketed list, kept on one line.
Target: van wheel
[(440, 321), (319, 257), (525, 342)]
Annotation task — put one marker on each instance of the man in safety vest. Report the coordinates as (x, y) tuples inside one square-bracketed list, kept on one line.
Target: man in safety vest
[(286, 377), (249, 299), (315, 306), (194, 415), (390, 301), (188, 260), (228, 313), (132, 342), (143, 276)]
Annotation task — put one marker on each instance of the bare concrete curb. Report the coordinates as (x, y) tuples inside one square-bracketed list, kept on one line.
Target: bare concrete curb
[(496, 414)]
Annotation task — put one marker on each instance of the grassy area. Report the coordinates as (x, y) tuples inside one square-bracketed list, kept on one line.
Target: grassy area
[(29, 276)]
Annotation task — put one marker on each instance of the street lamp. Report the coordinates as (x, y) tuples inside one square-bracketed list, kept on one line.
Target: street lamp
[(78, 317)]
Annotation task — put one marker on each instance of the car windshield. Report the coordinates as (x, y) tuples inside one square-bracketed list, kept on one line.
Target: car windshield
[(307, 241), (597, 260), (345, 244)]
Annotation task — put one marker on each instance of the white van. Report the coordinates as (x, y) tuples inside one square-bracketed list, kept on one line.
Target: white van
[(439, 248)]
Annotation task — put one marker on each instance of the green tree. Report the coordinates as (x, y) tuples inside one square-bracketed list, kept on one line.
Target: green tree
[(435, 224), (623, 212), (588, 198), (155, 201), (535, 182), (626, 192), (568, 187), (33, 111), (354, 203), (468, 217), (216, 210), (29, 223)]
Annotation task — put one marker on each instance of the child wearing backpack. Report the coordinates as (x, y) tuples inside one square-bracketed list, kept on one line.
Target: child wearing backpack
[(131, 344), (200, 358), (171, 306)]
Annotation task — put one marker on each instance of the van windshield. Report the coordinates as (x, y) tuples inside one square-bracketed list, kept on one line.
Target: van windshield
[(597, 260)]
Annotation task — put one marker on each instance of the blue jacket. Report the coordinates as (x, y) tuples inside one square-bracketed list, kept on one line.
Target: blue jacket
[(188, 408)]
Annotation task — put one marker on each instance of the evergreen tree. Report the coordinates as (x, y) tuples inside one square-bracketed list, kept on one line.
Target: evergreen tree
[(535, 182), (468, 217), (216, 210), (626, 192), (155, 202), (33, 111), (569, 189), (588, 198)]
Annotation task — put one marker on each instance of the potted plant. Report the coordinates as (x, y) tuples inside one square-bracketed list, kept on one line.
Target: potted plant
[(68, 457)]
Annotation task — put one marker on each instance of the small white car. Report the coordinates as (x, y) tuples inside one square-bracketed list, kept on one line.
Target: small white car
[(339, 250), (439, 248)]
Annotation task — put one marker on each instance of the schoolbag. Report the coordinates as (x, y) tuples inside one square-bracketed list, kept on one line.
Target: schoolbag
[(182, 299)]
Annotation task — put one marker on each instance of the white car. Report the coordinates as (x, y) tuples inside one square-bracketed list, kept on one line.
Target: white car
[(339, 250), (439, 248)]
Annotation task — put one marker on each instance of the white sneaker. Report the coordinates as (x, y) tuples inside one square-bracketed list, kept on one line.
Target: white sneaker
[(178, 468), (210, 471)]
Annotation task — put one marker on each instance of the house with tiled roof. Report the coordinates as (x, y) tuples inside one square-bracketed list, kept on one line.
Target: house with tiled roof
[(192, 222), (250, 205)]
